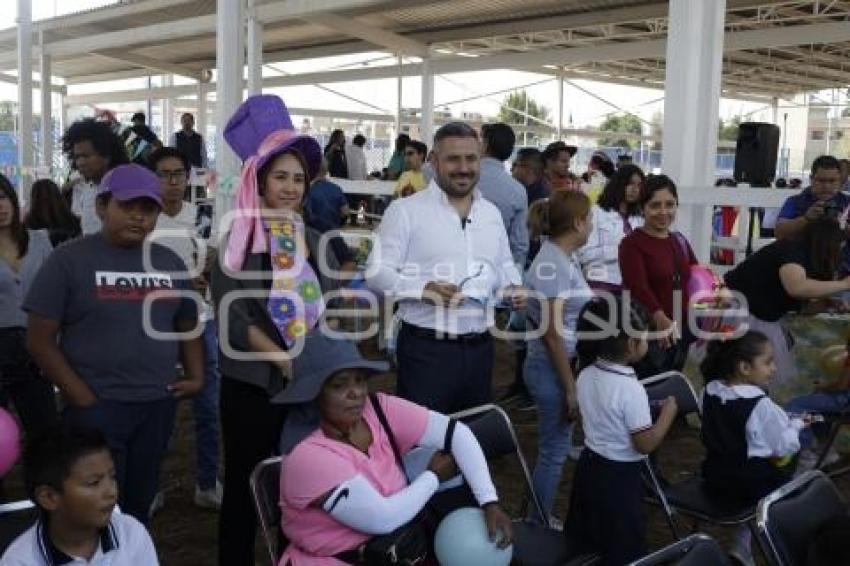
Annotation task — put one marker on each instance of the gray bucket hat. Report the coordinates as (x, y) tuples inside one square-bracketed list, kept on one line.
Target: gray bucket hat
[(319, 360)]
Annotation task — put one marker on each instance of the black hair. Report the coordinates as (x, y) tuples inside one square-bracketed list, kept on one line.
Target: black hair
[(554, 149), (104, 141), (614, 192), (781, 183), (607, 315), (825, 162), (499, 139), (264, 171), (48, 210), (336, 135), (359, 140), (829, 546), (49, 456), (530, 155), (138, 116), (822, 240), (166, 152), (401, 142), (655, 183), (420, 147), (723, 356), (454, 130), (187, 114), (603, 164), (19, 231)]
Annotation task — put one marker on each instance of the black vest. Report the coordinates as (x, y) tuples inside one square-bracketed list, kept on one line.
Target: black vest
[(724, 434), (190, 146)]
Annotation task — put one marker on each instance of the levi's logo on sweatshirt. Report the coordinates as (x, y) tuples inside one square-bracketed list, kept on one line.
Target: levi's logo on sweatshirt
[(129, 285)]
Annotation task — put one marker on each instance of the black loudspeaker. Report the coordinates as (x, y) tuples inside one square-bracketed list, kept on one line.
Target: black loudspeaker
[(756, 153)]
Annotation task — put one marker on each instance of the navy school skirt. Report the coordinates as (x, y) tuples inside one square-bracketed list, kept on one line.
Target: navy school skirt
[(606, 509)]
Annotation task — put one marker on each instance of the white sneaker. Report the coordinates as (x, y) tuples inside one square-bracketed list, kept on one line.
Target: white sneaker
[(742, 555), (209, 498), (806, 461), (832, 457), (575, 452), (556, 523), (157, 503)]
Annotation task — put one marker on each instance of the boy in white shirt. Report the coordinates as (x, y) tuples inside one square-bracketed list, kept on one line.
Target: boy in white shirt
[(70, 477)]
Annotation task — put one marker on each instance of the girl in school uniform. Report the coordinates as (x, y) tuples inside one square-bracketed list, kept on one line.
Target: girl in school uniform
[(606, 505), (748, 438)]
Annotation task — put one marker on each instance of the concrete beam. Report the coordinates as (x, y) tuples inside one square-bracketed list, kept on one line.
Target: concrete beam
[(150, 63), (377, 36), (13, 80), (188, 27)]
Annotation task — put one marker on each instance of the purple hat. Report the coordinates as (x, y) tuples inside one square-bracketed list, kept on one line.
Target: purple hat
[(257, 118), (127, 182)]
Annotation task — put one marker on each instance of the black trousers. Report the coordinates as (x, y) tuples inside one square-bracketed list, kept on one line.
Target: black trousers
[(250, 427), (606, 509), (22, 384), (442, 374)]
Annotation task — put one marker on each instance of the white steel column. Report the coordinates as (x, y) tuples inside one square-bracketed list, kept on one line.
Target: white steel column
[(255, 51), (774, 110), (167, 112), (691, 106), (426, 125), (230, 60), (398, 107), (46, 109), (560, 104), (201, 114), (25, 146)]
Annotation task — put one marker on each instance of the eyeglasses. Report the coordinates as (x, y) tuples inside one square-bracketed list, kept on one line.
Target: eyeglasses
[(178, 175)]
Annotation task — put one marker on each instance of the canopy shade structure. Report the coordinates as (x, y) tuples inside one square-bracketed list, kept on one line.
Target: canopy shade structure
[(771, 49)]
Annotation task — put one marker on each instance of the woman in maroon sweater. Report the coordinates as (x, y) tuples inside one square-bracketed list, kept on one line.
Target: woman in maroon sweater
[(655, 262)]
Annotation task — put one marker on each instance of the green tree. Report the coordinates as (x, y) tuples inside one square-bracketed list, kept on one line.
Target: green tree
[(626, 123), (518, 109), (8, 116), (728, 131), (513, 109)]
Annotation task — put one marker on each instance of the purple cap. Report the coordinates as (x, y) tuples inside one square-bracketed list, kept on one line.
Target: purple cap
[(127, 182), (257, 118)]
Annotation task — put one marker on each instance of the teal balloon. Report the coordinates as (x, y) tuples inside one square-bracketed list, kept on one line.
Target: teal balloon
[(462, 540)]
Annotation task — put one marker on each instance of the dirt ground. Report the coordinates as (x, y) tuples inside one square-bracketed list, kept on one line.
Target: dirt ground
[(186, 535)]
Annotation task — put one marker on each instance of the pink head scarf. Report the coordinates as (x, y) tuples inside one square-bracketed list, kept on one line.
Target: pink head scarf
[(247, 228)]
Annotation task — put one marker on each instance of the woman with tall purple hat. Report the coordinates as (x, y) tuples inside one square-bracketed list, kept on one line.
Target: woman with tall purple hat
[(268, 296)]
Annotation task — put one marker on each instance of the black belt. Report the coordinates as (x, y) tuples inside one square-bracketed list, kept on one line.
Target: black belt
[(438, 335)]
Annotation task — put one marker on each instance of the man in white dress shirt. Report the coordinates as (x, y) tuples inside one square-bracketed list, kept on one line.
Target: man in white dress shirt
[(443, 254)]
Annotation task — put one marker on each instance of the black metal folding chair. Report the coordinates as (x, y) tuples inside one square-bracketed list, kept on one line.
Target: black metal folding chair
[(265, 489), (695, 550), (689, 497), (15, 518), (836, 422), (494, 431), (788, 517), (534, 544)]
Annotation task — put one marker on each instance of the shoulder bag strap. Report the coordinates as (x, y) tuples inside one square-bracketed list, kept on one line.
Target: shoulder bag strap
[(382, 418)]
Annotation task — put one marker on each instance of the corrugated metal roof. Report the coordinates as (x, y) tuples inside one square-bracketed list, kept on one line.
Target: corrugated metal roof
[(484, 27)]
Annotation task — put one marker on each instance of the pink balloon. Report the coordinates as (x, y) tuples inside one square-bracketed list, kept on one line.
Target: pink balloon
[(702, 281), (10, 442)]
